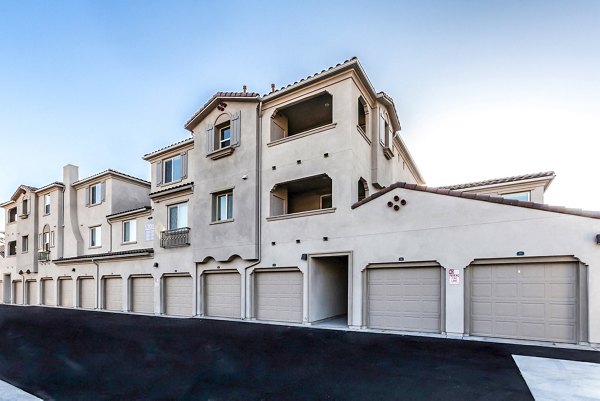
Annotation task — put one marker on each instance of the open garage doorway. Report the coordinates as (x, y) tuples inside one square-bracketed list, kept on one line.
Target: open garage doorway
[(329, 290)]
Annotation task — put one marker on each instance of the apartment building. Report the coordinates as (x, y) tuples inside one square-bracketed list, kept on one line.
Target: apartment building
[(305, 206)]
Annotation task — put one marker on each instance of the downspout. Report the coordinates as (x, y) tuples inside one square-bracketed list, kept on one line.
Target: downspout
[(258, 199), (109, 236), (97, 283)]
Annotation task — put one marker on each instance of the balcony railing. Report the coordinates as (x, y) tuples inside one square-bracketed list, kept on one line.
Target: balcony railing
[(175, 238), (44, 256)]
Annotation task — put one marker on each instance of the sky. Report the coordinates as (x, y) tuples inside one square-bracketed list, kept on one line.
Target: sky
[(483, 89)]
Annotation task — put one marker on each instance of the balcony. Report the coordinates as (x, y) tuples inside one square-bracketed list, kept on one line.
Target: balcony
[(175, 238), (44, 256), (303, 197)]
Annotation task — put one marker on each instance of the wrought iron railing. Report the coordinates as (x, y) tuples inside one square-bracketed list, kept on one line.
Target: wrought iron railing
[(175, 238), (44, 256)]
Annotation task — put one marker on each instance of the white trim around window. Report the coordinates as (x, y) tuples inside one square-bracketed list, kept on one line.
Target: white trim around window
[(129, 232), (95, 237)]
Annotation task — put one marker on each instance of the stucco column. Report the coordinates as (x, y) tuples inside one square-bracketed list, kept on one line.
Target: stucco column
[(158, 282), (75, 294), (125, 290), (455, 300)]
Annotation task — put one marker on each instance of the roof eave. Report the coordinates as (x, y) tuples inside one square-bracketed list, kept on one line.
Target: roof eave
[(203, 112)]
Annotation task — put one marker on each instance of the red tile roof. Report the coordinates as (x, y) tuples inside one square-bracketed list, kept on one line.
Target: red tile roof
[(480, 197), (220, 95), (503, 180), (168, 147)]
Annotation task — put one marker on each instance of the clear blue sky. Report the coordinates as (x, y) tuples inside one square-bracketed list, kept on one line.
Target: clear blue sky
[(483, 89)]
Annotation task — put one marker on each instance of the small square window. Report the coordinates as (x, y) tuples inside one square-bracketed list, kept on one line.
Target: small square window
[(129, 231), (223, 206), (96, 236)]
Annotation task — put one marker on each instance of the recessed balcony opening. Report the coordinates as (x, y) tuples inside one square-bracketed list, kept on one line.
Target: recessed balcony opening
[(303, 195), (301, 117)]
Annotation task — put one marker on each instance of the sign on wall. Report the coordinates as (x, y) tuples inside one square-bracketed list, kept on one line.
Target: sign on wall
[(454, 276), (149, 228)]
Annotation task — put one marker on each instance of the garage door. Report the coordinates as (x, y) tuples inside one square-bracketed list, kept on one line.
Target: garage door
[(278, 296), (404, 298), (48, 292), (17, 292), (87, 293), (524, 301), (142, 294), (113, 293), (178, 295), (222, 294), (32, 292), (65, 289)]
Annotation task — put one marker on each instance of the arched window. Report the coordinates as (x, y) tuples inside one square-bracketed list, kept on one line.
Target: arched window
[(363, 189)]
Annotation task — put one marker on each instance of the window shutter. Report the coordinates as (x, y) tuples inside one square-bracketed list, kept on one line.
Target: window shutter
[(159, 173), (103, 190), (40, 241), (87, 196), (52, 238), (184, 165), (210, 138), (235, 129)]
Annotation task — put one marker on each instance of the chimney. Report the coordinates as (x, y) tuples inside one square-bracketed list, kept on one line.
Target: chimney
[(244, 88), (272, 88), (70, 240)]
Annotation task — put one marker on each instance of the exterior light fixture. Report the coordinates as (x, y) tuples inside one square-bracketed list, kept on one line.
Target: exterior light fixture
[(304, 256), (155, 264)]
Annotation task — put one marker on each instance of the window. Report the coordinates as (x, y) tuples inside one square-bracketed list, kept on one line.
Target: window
[(25, 205), (47, 204), (363, 189), (46, 238), (223, 206), (172, 170), (326, 201), (178, 216), (95, 194), (12, 248), (24, 243), (12, 215), (224, 137), (95, 236), (129, 231), (362, 115), (520, 196)]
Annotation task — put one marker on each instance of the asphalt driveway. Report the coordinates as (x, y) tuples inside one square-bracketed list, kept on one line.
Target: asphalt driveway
[(67, 354)]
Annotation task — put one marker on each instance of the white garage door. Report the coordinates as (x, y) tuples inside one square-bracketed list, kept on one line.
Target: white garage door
[(48, 292), (278, 296), (17, 292), (65, 288), (524, 301), (113, 293), (178, 295), (222, 294), (32, 292), (142, 294), (404, 298), (87, 293)]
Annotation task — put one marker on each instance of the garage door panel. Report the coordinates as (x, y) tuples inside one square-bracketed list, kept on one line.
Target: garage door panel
[(178, 295), (65, 288), (278, 296), (87, 293), (32, 293), (113, 294), (223, 295), (539, 303), (404, 299), (48, 292), (142, 294)]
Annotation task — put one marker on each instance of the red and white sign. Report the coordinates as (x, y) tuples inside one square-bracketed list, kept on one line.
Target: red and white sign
[(454, 276)]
